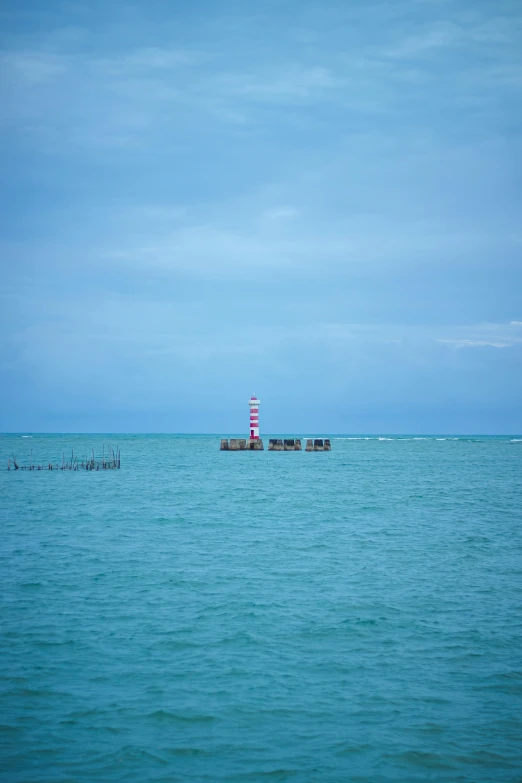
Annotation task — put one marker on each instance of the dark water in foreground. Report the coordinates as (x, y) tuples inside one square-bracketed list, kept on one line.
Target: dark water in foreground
[(206, 616)]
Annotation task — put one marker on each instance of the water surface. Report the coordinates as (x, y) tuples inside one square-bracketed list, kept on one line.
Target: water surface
[(253, 616)]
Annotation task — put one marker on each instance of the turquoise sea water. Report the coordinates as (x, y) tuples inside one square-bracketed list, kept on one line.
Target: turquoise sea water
[(253, 616)]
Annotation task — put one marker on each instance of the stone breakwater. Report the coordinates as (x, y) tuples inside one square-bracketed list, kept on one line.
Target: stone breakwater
[(288, 444), (318, 444), (294, 444), (274, 444), (241, 444)]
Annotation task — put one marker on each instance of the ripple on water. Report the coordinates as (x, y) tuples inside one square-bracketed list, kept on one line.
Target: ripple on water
[(344, 616)]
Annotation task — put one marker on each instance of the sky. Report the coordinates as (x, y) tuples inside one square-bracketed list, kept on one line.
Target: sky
[(315, 202)]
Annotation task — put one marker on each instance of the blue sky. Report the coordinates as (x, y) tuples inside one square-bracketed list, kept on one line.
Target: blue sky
[(315, 202)]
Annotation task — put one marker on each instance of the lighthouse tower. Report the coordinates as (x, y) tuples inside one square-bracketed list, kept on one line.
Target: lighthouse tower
[(254, 418)]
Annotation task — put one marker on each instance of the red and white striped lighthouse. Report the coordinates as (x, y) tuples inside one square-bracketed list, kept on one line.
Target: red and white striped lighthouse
[(254, 418)]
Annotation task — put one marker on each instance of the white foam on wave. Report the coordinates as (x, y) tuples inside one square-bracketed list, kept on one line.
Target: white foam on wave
[(398, 438), (26, 436), (516, 440)]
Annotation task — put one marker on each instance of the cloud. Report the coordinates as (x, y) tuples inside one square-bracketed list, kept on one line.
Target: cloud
[(434, 38), (286, 239), (486, 335), (67, 91), (459, 343), (28, 69), (281, 213), (333, 191), (501, 335), (284, 83)]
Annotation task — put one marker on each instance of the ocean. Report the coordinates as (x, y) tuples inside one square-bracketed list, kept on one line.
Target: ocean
[(235, 617)]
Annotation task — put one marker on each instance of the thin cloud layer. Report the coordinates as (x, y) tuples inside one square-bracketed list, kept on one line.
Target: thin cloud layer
[(332, 189)]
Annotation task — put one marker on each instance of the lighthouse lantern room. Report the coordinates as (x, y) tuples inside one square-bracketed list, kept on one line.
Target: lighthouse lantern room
[(254, 418)]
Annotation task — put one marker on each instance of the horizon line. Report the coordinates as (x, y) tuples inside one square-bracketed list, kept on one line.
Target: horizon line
[(269, 434)]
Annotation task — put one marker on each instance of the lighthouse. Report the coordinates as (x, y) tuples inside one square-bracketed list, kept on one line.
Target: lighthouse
[(254, 418)]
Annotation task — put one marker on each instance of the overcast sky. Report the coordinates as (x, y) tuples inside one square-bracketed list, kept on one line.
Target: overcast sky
[(316, 202)]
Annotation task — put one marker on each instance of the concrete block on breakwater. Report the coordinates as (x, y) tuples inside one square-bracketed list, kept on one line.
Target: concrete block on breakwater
[(241, 444), (286, 444), (318, 444)]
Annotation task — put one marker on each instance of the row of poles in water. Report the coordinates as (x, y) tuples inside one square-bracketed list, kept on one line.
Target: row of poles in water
[(110, 462)]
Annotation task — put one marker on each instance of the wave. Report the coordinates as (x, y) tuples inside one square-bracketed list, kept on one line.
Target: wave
[(26, 436), (416, 437), (167, 715)]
